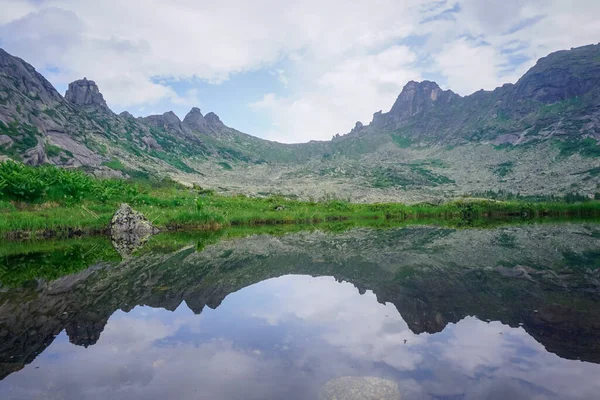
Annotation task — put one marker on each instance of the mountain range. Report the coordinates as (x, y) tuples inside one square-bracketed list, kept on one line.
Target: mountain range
[(538, 136)]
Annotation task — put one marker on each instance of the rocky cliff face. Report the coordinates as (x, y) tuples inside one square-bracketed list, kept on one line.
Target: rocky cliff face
[(420, 97), (85, 93), (17, 78), (562, 75)]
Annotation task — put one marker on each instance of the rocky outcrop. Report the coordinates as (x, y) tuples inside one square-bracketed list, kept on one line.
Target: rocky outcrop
[(126, 115), (423, 116), (195, 120), (168, 120), (213, 121), (36, 155), (85, 93), (419, 97), (5, 141), (18, 77), (357, 127), (151, 143), (562, 75)]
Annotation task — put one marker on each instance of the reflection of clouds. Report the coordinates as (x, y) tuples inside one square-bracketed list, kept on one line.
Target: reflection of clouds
[(285, 337), (377, 334), (112, 369), (475, 344), (491, 360)]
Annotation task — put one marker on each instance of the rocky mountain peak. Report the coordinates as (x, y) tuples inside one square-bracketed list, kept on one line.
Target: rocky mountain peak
[(171, 118), (195, 111), (84, 92), (357, 127), (18, 76), (166, 120), (213, 119), (417, 97), (126, 115), (562, 75), (195, 120)]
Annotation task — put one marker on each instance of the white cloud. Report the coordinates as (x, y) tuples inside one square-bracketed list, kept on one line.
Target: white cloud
[(343, 94), (343, 60), (13, 9), (470, 66)]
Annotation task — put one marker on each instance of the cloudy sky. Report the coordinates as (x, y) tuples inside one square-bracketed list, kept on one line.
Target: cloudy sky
[(287, 70)]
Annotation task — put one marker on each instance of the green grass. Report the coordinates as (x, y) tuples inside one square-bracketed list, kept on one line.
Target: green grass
[(590, 172), (43, 199), (24, 137), (55, 151), (503, 169), (119, 166), (416, 176), (401, 141), (587, 148), (173, 160)]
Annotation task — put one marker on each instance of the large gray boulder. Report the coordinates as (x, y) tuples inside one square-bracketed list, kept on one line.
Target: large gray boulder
[(129, 230), (126, 219)]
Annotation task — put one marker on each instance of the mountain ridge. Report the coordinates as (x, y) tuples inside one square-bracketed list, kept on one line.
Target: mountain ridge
[(555, 105)]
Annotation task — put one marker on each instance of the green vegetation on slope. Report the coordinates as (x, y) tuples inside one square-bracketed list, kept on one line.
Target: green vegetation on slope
[(588, 147)]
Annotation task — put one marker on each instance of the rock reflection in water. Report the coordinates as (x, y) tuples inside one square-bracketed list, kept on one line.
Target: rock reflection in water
[(422, 321)]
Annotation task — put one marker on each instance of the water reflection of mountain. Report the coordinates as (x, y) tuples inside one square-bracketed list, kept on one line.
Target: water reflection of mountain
[(543, 277)]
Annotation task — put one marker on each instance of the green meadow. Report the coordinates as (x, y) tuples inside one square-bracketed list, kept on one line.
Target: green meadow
[(49, 201)]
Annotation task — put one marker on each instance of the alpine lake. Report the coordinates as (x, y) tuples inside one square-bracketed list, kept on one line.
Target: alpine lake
[(507, 311)]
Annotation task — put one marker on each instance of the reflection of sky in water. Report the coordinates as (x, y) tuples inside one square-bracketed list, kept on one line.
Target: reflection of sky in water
[(284, 338)]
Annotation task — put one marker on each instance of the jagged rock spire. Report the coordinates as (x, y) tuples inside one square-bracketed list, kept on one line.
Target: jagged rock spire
[(195, 120), (84, 92), (416, 97), (213, 120)]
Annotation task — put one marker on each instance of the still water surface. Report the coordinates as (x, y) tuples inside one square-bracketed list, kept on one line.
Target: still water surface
[(411, 313)]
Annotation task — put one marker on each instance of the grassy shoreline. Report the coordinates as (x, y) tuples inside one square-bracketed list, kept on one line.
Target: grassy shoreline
[(219, 212), (49, 202)]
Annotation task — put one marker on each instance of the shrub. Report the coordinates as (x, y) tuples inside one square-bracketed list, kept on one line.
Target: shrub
[(21, 182), (31, 184)]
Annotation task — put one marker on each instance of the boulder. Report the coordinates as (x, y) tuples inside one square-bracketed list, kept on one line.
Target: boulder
[(129, 230), (35, 155), (126, 219)]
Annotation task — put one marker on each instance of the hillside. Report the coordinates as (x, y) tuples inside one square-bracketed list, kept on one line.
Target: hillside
[(535, 137)]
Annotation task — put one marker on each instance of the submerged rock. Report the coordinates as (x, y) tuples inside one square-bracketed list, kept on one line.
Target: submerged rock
[(129, 230), (360, 388)]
